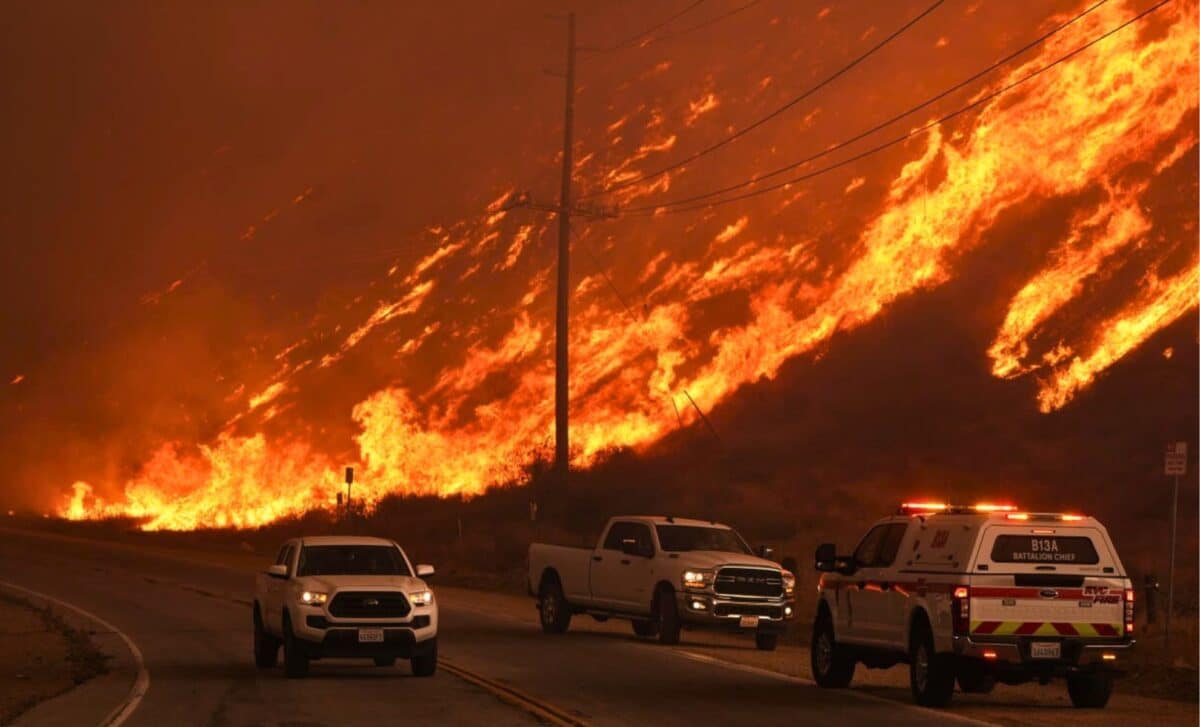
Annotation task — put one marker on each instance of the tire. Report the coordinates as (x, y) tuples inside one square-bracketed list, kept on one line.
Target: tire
[(266, 646), (425, 665), (931, 675), (832, 663), (972, 679), (295, 659), (1090, 691), (764, 641), (385, 661), (666, 617), (645, 628), (553, 609)]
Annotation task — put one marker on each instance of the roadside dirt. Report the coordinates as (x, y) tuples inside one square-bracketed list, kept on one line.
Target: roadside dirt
[(40, 657)]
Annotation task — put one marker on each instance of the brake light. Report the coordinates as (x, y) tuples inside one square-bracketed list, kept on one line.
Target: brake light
[(1128, 611), (960, 610)]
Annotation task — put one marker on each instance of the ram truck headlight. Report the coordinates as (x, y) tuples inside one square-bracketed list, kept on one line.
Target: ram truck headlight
[(789, 584), (421, 598), (313, 598), (697, 579)]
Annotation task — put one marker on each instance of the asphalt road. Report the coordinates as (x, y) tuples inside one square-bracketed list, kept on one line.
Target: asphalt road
[(191, 623)]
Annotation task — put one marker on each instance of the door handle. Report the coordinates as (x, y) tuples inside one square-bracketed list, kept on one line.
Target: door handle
[(862, 585), (597, 558), (885, 586), (624, 562)]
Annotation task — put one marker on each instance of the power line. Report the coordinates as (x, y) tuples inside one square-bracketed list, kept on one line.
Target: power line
[(663, 209), (888, 122), (773, 114), (633, 40)]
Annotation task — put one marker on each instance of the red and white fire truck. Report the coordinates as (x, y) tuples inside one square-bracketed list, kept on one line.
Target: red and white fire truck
[(976, 594)]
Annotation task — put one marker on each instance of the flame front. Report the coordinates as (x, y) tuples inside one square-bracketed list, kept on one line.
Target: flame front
[(1093, 135)]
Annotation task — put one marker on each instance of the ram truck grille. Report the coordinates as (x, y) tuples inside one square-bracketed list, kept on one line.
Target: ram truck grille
[(369, 604), (748, 582)]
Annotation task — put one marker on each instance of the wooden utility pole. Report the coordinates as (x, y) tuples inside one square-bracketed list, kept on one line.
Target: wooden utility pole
[(562, 445)]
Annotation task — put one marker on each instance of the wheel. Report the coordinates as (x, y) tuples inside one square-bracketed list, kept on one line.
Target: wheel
[(295, 659), (765, 641), (972, 679), (1090, 691), (832, 663), (266, 646), (930, 674), (425, 664), (385, 661), (666, 616), (553, 607), (645, 628)]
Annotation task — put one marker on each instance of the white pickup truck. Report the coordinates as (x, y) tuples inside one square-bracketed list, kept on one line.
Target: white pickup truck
[(335, 596), (663, 573), (976, 594)]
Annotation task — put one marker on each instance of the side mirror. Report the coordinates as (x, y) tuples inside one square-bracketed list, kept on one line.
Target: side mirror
[(825, 557), (629, 546), (424, 570), (277, 571), (765, 553), (846, 565)]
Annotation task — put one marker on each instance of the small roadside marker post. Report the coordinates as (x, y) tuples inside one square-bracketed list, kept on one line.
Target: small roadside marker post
[(1174, 464)]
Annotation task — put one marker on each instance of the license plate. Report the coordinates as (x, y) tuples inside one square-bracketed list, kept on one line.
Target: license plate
[(748, 622), (1045, 650), (370, 636)]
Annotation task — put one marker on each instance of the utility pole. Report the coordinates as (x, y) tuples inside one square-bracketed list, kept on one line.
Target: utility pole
[(1174, 465), (562, 447)]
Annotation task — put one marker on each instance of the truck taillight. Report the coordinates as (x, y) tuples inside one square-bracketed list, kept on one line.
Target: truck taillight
[(1128, 611), (960, 610)]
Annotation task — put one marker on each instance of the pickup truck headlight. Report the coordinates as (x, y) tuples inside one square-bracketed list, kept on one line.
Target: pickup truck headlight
[(421, 598), (697, 579), (313, 598), (789, 584)]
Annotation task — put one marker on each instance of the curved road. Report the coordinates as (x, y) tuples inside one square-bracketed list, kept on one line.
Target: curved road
[(191, 622)]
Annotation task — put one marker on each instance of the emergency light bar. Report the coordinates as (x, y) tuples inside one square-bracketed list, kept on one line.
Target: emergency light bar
[(1044, 517), (914, 508)]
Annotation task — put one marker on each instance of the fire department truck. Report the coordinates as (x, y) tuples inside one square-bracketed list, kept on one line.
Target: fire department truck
[(977, 594)]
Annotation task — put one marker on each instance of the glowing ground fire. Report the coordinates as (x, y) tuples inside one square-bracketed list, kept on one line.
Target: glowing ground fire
[(1098, 131)]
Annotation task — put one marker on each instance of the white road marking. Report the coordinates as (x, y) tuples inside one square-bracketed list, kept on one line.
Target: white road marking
[(703, 658), (141, 684)]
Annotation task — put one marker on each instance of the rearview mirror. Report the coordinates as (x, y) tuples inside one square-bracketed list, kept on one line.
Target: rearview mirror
[(825, 557), (424, 570), (765, 553), (277, 571)]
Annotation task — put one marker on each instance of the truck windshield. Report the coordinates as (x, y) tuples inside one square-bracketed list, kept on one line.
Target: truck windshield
[(682, 538), (351, 560)]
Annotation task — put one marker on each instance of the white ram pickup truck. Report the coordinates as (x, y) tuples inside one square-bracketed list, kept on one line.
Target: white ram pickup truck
[(341, 596), (976, 594), (664, 573)]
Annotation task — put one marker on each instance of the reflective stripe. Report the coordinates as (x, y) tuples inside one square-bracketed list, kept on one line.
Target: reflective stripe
[(1043, 628)]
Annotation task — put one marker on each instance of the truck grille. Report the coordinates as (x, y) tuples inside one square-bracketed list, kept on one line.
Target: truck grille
[(369, 604), (748, 582)]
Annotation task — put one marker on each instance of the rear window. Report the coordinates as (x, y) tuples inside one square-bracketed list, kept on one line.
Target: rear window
[(1067, 549)]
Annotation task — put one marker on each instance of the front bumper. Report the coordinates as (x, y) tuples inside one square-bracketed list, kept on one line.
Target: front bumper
[(324, 635), (704, 608), (1014, 653)]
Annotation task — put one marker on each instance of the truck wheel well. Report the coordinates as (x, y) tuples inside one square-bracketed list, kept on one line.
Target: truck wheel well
[(661, 588), (823, 610), (549, 576), (919, 620)]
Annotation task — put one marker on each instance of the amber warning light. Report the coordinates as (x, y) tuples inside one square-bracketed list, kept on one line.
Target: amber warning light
[(912, 508)]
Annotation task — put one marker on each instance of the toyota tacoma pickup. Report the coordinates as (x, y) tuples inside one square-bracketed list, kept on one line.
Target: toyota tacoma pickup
[(334, 596), (663, 573), (976, 594)]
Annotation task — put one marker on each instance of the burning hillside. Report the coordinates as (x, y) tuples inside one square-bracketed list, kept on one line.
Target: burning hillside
[(437, 377)]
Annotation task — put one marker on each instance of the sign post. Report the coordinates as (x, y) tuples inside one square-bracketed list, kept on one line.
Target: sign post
[(349, 481), (1174, 464)]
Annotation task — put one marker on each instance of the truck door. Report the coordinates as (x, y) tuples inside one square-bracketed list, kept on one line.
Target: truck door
[(863, 599), (621, 580), (275, 591)]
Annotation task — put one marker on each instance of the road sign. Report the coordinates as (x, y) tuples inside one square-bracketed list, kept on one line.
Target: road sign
[(1175, 461)]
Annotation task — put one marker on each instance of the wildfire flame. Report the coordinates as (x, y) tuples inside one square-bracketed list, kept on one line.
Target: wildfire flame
[(1098, 130)]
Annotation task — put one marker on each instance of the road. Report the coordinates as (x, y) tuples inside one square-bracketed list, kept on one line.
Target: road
[(191, 623)]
